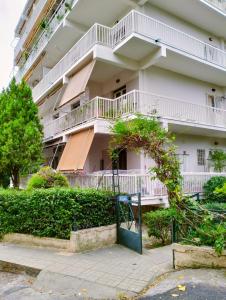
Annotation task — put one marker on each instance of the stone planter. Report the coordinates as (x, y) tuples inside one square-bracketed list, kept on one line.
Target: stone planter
[(186, 256)]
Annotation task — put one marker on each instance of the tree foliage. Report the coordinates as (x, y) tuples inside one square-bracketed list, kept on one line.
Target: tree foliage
[(47, 178), (147, 134), (20, 131)]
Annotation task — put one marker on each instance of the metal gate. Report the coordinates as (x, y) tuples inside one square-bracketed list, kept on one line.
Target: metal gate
[(129, 221)]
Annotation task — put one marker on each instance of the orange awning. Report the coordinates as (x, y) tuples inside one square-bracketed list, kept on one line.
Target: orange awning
[(76, 151), (77, 84)]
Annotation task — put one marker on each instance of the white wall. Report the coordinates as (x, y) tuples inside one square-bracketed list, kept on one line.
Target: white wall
[(128, 78), (99, 147), (188, 145), (167, 83)]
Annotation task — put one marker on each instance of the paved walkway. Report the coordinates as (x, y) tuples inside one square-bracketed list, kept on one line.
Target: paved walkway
[(105, 272)]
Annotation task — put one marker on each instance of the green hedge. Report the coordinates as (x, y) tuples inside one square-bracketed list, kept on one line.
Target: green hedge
[(159, 223), (53, 212), (210, 187)]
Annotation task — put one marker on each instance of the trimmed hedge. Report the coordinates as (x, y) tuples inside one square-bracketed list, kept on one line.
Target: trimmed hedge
[(159, 223), (53, 212)]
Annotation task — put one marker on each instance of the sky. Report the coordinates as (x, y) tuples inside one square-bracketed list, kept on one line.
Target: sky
[(10, 11)]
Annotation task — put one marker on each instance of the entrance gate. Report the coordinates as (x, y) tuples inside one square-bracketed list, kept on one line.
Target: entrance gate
[(129, 222)]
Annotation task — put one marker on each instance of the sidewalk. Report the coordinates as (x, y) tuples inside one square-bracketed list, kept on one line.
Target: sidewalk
[(104, 272)]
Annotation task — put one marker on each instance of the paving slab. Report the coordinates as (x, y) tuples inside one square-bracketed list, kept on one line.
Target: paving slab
[(104, 272)]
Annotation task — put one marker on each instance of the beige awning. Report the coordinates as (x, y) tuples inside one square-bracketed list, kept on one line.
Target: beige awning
[(77, 84), (76, 151)]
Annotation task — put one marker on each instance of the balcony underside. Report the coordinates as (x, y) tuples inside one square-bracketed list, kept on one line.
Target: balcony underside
[(196, 129), (142, 49), (103, 12), (196, 12)]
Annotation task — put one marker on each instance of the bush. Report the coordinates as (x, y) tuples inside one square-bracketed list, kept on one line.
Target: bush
[(220, 193), (53, 212), (159, 223), (47, 178), (210, 187)]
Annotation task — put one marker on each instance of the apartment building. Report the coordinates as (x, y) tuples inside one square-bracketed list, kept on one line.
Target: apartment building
[(89, 62)]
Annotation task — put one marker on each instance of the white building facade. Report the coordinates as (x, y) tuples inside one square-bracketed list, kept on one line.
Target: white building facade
[(89, 62)]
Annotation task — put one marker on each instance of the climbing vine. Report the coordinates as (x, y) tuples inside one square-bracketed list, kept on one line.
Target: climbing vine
[(147, 135)]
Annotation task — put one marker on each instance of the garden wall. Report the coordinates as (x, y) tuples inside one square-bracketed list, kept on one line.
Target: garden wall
[(186, 256), (82, 240)]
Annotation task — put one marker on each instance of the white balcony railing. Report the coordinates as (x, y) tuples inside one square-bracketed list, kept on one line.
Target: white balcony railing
[(29, 25), (53, 24), (138, 102), (220, 4), (97, 34), (134, 22), (133, 183)]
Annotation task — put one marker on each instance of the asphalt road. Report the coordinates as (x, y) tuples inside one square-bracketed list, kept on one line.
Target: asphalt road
[(192, 292)]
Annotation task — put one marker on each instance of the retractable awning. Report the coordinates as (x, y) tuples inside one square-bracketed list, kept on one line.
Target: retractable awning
[(77, 84), (76, 151)]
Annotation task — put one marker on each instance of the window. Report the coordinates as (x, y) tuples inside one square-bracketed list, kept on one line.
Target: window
[(201, 155), (75, 105), (119, 92)]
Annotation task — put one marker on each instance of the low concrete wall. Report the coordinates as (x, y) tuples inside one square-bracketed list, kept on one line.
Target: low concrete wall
[(186, 256), (30, 240), (82, 240), (93, 238)]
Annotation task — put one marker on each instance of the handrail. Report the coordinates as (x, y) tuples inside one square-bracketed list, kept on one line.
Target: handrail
[(43, 39), (159, 32), (138, 102)]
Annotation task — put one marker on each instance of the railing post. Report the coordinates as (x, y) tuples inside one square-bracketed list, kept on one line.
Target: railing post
[(97, 107)]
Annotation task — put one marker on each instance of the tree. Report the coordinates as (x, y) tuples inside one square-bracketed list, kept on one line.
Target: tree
[(147, 134), (20, 132)]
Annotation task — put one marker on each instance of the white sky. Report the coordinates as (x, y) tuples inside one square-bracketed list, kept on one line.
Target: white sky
[(10, 11)]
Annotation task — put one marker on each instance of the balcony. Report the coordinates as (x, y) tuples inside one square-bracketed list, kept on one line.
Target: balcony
[(209, 15), (175, 111), (97, 34), (29, 25), (219, 4), (136, 36), (53, 24), (152, 191)]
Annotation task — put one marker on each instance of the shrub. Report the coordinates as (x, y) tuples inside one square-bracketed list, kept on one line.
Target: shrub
[(220, 193), (47, 178), (210, 186), (54, 212), (159, 223)]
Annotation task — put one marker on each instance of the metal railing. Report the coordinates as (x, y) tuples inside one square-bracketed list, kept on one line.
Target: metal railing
[(97, 34), (220, 4), (30, 23), (134, 22), (143, 183), (137, 102), (159, 32), (53, 24)]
